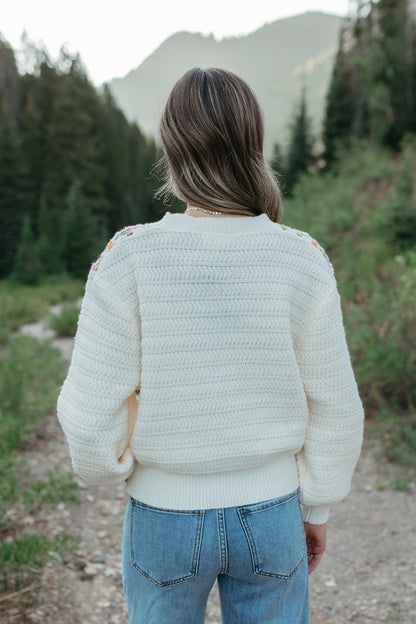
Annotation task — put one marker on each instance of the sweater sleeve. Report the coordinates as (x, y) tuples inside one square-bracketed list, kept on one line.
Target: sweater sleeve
[(105, 369), (332, 446)]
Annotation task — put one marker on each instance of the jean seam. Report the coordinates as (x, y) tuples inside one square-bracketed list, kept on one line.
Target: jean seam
[(197, 543), (269, 505), (249, 536), (252, 545), (195, 557), (223, 541), (283, 577), (191, 512)]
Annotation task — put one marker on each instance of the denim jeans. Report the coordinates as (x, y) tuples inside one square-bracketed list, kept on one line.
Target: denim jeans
[(257, 553)]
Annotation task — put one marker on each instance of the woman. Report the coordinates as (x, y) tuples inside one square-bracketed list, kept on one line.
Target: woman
[(249, 423)]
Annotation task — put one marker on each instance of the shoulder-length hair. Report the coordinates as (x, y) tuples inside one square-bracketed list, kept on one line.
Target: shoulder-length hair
[(212, 133)]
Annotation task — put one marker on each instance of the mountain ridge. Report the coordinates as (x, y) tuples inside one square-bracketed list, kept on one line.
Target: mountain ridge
[(274, 59)]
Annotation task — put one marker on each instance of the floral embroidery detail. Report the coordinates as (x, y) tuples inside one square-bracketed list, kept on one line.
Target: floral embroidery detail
[(307, 236), (127, 231)]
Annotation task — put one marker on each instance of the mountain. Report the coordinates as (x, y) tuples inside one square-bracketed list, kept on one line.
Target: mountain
[(274, 60)]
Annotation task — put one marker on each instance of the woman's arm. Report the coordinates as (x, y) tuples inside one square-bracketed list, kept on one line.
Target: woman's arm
[(334, 434), (105, 369)]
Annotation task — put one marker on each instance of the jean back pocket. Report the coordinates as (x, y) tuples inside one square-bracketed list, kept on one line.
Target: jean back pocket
[(165, 544), (275, 535)]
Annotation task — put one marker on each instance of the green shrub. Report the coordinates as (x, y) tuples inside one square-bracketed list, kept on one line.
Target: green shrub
[(363, 162), (396, 433), (400, 443), (382, 339), (400, 484), (65, 323), (397, 221), (350, 211), (363, 212), (342, 210), (322, 205)]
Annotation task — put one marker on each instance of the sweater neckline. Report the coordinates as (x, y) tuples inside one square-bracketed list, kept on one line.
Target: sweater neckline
[(216, 224)]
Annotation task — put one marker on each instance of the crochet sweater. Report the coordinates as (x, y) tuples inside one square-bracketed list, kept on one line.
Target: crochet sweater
[(233, 328)]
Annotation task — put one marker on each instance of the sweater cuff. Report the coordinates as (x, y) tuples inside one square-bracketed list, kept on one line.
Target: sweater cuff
[(316, 514)]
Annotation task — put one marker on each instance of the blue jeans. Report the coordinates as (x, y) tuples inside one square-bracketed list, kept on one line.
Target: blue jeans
[(257, 553)]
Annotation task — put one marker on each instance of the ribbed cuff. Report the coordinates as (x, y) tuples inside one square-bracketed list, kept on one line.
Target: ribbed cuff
[(316, 514)]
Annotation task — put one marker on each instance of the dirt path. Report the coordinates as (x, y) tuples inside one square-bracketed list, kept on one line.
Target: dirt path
[(367, 575)]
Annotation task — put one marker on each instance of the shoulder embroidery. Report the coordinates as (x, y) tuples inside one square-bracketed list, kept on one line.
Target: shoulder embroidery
[(126, 231), (308, 237)]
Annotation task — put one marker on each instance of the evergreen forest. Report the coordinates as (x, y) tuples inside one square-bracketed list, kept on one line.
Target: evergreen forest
[(72, 169)]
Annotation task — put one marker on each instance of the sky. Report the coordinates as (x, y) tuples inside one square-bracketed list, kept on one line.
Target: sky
[(114, 37)]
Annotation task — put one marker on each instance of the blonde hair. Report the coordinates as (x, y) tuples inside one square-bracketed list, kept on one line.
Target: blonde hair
[(212, 132)]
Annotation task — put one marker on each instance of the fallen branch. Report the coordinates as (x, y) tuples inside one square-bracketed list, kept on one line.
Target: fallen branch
[(21, 591)]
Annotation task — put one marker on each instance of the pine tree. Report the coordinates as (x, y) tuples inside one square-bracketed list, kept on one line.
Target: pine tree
[(361, 59), (73, 147), (278, 165), (11, 189), (396, 69), (82, 239), (49, 251), (300, 153), (148, 154), (9, 79), (38, 93), (115, 159), (373, 91), (27, 269), (340, 105)]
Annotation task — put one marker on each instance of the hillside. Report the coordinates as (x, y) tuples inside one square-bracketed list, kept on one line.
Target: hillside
[(273, 59)]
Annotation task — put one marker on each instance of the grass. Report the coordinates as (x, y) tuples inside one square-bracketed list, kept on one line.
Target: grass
[(65, 323), (401, 484), (20, 304), (59, 488), (31, 372), (22, 559), (11, 474)]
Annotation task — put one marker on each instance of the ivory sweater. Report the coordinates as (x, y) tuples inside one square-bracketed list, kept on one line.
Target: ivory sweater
[(233, 328)]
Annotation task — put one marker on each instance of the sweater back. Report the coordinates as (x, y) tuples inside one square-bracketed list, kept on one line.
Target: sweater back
[(233, 328)]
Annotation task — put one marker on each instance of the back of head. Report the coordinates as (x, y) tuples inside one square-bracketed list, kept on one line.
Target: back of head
[(212, 134)]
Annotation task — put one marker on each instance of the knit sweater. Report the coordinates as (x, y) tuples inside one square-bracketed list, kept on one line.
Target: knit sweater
[(233, 328)]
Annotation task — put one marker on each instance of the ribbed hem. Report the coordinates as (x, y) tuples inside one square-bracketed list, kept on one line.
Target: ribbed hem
[(170, 490), (318, 514), (226, 225)]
